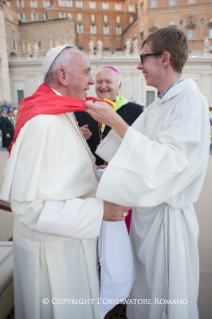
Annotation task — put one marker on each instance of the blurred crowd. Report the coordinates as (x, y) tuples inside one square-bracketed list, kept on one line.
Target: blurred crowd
[(8, 113)]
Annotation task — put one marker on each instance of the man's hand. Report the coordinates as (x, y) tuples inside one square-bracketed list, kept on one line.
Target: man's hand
[(85, 131), (104, 113), (114, 213), (8, 135), (101, 167)]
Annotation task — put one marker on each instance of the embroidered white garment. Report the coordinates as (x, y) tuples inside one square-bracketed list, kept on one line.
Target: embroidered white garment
[(159, 168), (117, 264)]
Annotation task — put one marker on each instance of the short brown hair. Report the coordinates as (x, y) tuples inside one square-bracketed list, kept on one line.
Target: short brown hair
[(172, 40)]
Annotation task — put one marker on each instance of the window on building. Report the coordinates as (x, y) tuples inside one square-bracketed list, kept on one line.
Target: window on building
[(10, 17), (106, 49), (34, 4), (14, 45), (105, 6), (181, 23), (172, 23), (93, 29), (79, 28), (8, 3), (13, 31), (131, 8), (20, 95), (118, 49), (105, 19), (61, 3), (201, 21), (69, 15), (79, 16), (92, 4), (45, 16), (142, 7), (118, 30), (118, 19), (20, 4), (78, 4), (92, 17), (39, 43), (131, 19), (153, 3), (172, 2), (190, 33), (117, 6), (150, 97), (62, 15), (210, 32), (46, 4), (69, 3), (191, 1), (34, 17), (21, 17), (105, 29)]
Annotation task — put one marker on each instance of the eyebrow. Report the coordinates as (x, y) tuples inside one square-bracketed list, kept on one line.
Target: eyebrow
[(88, 69)]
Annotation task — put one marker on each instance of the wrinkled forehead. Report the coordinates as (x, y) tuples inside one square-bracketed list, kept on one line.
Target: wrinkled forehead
[(80, 61), (107, 74)]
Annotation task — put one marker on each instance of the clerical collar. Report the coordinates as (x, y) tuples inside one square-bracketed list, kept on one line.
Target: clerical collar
[(169, 88)]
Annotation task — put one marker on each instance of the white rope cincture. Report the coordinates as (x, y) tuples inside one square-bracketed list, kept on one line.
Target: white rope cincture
[(166, 238)]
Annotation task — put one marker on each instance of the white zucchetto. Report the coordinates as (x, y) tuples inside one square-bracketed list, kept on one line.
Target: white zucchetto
[(51, 56)]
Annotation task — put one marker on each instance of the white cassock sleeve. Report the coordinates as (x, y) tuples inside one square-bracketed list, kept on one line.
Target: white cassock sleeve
[(74, 218), (144, 172)]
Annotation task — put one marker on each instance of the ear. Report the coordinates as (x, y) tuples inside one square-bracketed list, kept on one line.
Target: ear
[(119, 86), (62, 76), (166, 58)]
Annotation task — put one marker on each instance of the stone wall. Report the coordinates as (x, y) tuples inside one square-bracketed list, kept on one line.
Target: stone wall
[(26, 74), (4, 74)]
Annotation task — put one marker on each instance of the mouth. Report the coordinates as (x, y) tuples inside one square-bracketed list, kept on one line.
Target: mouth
[(144, 74), (104, 91)]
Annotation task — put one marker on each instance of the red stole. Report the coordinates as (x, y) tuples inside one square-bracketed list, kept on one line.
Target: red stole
[(46, 101)]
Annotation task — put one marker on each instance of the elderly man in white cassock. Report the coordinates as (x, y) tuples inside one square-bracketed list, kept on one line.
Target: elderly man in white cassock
[(158, 166), (51, 182)]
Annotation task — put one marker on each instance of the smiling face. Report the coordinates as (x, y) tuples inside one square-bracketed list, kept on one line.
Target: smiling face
[(151, 67), (106, 84), (79, 76)]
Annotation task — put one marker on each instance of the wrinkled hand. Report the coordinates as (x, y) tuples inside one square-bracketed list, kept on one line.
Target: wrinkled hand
[(101, 112), (114, 213), (85, 131)]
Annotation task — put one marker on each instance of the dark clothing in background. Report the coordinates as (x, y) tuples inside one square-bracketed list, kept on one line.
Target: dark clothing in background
[(7, 128), (129, 112)]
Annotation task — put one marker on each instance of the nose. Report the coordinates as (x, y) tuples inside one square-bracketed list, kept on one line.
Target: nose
[(91, 80), (140, 66)]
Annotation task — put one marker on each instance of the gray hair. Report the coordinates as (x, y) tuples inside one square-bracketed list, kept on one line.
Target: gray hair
[(63, 60), (119, 79)]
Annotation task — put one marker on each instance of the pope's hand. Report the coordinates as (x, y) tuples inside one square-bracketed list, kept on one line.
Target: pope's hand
[(114, 213), (85, 131), (101, 112)]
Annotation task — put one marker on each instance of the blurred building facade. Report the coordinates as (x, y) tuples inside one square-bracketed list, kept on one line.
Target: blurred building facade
[(28, 29)]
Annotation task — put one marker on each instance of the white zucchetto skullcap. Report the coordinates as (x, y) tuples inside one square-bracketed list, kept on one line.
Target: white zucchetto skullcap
[(51, 56)]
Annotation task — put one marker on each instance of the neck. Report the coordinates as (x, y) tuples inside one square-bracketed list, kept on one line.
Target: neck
[(167, 81)]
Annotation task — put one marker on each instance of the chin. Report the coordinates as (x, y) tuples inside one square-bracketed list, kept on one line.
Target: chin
[(104, 96)]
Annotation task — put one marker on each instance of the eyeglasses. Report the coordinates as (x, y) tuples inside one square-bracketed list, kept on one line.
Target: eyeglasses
[(149, 54)]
